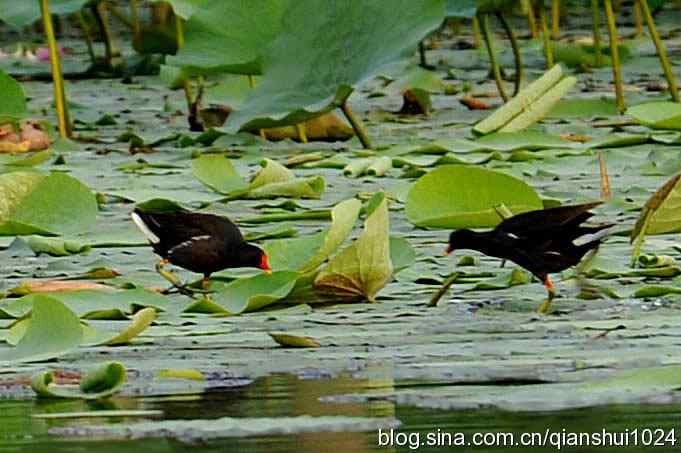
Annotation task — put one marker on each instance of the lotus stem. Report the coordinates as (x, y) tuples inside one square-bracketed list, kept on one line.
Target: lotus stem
[(555, 20), (357, 125), (484, 27), (302, 135), (85, 28), (63, 120), (638, 19), (99, 11), (516, 52), (449, 281), (638, 240), (179, 29), (135, 18), (121, 17), (422, 55), (596, 19), (477, 36), (548, 45), (606, 195), (661, 50), (615, 55), (531, 19)]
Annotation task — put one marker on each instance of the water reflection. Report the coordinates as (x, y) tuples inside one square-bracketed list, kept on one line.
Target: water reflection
[(286, 395)]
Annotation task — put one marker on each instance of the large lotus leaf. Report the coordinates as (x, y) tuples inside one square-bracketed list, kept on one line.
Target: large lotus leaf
[(462, 196), (92, 304), (305, 254), (364, 267), (660, 214), (228, 36), (324, 49), (658, 115), (217, 172), (33, 203), (21, 13), (12, 99), (254, 293), (54, 330)]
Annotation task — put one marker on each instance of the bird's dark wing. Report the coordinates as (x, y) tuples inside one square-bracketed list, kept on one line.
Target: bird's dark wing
[(545, 221), (203, 254), (175, 228)]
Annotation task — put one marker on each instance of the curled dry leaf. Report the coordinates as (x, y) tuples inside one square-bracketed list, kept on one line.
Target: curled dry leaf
[(474, 104), (294, 341)]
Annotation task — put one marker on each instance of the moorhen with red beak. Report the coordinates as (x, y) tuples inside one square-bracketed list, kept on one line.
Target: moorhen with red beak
[(198, 242), (544, 241)]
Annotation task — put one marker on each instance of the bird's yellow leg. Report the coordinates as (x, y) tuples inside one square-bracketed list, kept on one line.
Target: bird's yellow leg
[(167, 274), (546, 305)]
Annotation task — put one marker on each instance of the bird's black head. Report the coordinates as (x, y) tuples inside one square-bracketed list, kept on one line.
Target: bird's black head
[(460, 239), (253, 256)]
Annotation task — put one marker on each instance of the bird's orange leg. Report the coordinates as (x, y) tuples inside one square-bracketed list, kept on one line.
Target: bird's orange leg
[(546, 305), (205, 285)]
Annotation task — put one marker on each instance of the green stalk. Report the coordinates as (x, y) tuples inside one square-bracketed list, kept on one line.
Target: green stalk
[(302, 134), (99, 10), (615, 55), (638, 18), (64, 122), (449, 281), (548, 45), (179, 31), (422, 55), (531, 18), (516, 52), (357, 125), (86, 34), (477, 38), (484, 27), (555, 20), (661, 51), (135, 18), (596, 19), (638, 241)]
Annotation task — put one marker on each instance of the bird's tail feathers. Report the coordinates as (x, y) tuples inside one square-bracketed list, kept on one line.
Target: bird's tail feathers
[(140, 220)]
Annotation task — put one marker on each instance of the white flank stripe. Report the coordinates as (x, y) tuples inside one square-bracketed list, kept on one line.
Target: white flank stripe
[(591, 237), (188, 243), (144, 228)]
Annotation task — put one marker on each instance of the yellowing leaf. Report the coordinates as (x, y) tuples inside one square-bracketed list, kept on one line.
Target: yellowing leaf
[(363, 268), (294, 341)]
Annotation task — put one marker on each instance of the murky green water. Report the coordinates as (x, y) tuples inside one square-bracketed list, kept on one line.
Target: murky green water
[(286, 395)]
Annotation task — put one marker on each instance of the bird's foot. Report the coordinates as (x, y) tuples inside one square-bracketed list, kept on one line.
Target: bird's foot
[(176, 283)]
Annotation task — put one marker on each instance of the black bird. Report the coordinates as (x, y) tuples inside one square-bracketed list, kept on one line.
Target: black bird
[(544, 241), (202, 243)]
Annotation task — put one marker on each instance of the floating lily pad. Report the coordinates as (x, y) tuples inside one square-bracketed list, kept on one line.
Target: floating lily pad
[(462, 196)]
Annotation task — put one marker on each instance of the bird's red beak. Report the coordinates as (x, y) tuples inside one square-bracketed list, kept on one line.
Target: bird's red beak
[(265, 264), (449, 250)]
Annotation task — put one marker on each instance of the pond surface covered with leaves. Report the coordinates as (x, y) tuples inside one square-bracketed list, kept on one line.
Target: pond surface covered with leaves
[(481, 360)]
